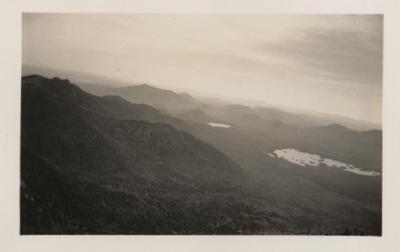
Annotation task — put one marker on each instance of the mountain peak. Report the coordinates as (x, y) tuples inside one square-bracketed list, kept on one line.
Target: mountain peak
[(34, 79), (335, 128), (33, 76), (157, 97), (39, 79), (145, 85)]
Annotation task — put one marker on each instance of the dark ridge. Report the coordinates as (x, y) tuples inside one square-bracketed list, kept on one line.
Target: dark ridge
[(32, 76)]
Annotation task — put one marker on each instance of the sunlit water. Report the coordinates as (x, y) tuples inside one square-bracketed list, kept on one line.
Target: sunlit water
[(218, 125), (307, 159)]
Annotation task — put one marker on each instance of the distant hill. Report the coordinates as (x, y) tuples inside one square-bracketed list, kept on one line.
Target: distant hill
[(309, 119), (146, 94), (178, 104), (77, 77), (196, 115)]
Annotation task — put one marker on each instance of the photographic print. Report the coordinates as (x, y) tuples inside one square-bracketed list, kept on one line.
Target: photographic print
[(201, 124)]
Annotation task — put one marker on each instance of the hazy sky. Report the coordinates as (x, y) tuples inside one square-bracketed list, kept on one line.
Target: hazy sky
[(327, 63)]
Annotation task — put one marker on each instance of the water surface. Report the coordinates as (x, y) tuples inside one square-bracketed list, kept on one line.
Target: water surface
[(308, 159)]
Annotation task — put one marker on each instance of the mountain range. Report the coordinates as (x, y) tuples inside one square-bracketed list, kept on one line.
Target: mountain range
[(142, 160)]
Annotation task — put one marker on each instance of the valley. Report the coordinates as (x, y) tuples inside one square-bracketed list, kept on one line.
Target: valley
[(151, 161)]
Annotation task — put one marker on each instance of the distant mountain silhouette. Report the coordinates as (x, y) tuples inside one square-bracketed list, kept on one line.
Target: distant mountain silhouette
[(146, 94), (165, 102), (196, 115)]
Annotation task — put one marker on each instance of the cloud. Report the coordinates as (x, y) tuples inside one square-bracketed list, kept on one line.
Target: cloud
[(351, 55)]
